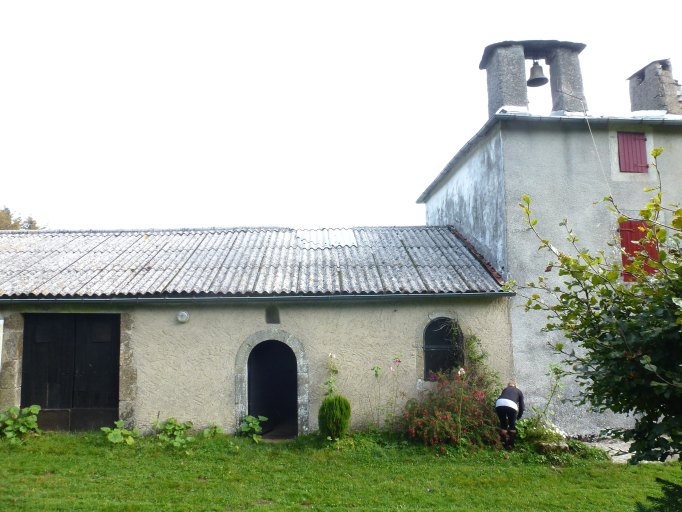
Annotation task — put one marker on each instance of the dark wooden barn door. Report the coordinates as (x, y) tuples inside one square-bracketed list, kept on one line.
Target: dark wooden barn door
[(70, 369)]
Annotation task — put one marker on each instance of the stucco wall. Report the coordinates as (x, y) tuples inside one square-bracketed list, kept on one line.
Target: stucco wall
[(472, 199), (557, 166), (189, 370), (555, 163)]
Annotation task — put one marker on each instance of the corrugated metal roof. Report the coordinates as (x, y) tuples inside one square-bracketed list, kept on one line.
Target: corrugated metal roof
[(240, 262)]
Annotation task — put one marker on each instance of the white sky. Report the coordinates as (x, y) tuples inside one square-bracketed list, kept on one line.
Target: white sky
[(138, 114)]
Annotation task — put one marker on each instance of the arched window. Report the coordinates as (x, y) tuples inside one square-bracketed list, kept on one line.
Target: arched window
[(443, 346)]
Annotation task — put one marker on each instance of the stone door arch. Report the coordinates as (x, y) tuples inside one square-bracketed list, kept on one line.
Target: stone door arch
[(272, 336)]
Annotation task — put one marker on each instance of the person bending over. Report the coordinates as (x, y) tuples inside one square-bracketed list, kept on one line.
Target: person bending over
[(509, 408)]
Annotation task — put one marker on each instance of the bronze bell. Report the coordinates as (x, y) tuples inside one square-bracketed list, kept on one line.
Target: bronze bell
[(537, 77)]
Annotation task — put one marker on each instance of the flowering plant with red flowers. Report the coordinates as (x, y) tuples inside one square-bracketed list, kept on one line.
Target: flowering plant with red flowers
[(459, 410)]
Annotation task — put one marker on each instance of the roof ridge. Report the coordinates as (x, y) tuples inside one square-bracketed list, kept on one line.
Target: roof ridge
[(479, 257)]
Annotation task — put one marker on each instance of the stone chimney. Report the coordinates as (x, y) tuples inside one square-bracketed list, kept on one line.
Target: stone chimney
[(654, 88), (505, 63)]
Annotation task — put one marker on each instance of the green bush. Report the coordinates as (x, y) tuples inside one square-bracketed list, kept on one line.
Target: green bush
[(334, 416), (456, 412), (534, 431), (585, 452), (119, 434), (15, 423), (173, 433), (212, 431), (251, 427), (460, 409)]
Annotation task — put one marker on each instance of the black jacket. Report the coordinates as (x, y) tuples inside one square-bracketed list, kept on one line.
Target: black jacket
[(514, 394)]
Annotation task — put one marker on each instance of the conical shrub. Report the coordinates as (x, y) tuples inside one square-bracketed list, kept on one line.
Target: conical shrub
[(334, 416)]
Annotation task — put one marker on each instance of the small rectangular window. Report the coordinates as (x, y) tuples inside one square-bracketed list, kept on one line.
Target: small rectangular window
[(632, 152), (631, 232)]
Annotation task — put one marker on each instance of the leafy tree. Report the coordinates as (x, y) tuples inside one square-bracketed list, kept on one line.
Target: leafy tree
[(10, 221), (624, 338)]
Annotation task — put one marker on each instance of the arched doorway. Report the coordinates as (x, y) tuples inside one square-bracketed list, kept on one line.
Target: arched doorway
[(273, 389)]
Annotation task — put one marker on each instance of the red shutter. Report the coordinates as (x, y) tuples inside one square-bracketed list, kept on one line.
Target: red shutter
[(631, 231), (632, 152)]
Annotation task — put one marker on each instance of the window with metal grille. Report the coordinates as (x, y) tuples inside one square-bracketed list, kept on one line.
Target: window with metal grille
[(632, 152), (631, 232), (443, 347)]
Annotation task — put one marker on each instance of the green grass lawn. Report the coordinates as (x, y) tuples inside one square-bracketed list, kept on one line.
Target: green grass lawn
[(84, 472)]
